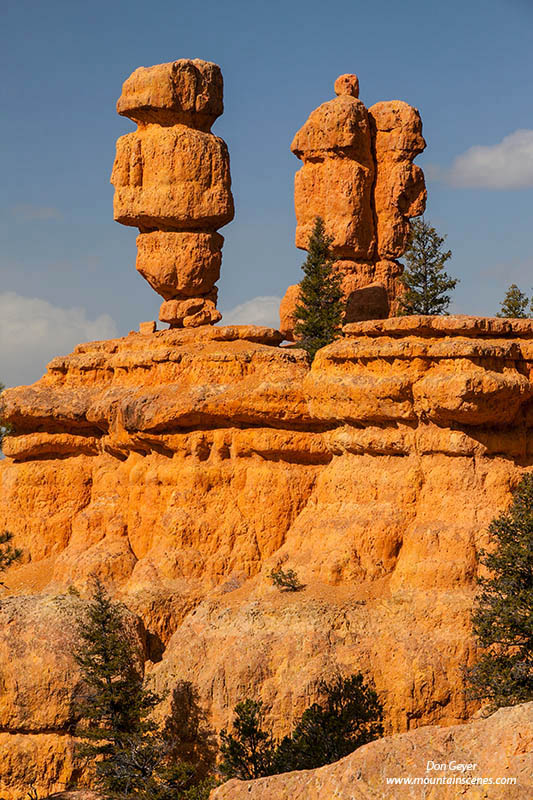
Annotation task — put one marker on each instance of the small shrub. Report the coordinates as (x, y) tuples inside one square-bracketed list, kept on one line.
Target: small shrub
[(8, 553), (285, 581)]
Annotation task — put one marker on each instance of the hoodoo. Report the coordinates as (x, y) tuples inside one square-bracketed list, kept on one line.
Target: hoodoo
[(172, 181), (358, 175)]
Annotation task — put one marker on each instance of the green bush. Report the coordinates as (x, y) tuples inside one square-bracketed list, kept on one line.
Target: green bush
[(285, 580)]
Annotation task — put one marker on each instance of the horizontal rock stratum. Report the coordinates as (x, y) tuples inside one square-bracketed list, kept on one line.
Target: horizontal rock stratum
[(182, 465)]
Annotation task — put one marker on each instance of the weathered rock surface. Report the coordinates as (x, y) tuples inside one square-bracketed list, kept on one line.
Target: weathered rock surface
[(185, 264), (335, 182), (186, 91), (41, 692), (358, 175), (182, 465), (172, 181), (499, 748), (400, 191), (173, 178)]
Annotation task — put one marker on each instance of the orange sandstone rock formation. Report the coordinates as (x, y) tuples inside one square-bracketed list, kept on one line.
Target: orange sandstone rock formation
[(172, 181), (358, 175), (498, 748), (181, 466)]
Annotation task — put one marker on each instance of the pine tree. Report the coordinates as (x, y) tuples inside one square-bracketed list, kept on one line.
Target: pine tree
[(425, 282), (514, 304), (4, 429), (503, 616), (8, 553), (320, 308), (131, 757), (247, 753), (349, 717), (115, 725)]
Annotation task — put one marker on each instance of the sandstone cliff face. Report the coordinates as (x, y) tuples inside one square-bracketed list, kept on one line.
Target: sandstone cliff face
[(358, 176), (181, 466), (495, 749)]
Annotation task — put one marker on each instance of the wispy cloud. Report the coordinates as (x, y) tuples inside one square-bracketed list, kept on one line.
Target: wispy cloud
[(505, 165), (33, 331), (29, 213), (257, 311)]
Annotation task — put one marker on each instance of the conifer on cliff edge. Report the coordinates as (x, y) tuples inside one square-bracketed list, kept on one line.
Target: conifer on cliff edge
[(514, 305), (426, 284), (320, 307), (503, 617)]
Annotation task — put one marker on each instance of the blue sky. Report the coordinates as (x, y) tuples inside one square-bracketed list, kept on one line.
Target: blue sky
[(67, 270)]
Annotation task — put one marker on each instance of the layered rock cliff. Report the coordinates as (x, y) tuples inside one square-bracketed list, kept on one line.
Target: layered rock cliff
[(180, 466)]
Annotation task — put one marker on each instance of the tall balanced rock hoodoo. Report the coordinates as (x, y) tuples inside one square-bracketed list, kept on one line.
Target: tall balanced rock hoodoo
[(358, 175), (172, 181)]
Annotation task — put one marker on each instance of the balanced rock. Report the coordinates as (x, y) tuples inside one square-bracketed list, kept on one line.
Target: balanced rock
[(358, 175), (172, 181)]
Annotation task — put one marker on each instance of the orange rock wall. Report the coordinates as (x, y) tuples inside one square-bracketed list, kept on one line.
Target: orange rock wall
[(181, 466)]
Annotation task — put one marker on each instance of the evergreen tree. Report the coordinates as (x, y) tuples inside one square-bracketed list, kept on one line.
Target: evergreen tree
[(8, 553), (514, 304), (349, 717), (249, 751), (425, 281), (130, 755), (115, 726), (4, 429), (503, 617), (320, 308)]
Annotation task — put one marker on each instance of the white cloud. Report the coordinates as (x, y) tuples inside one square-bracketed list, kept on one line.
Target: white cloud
[(33, 331), (27, 213), (506, 165), (257, 311)]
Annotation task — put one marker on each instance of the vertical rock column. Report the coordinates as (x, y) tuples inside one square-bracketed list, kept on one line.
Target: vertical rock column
[(399, 191), (172, 181), (358, 175)]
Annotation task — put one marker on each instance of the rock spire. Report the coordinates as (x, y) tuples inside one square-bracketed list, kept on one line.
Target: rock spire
[(358, 175), (172, 181)]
